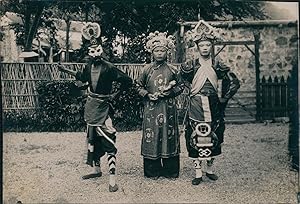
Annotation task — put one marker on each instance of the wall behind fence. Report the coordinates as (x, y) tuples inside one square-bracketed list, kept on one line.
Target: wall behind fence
[(20, 81), (278, 48), (278, 52)]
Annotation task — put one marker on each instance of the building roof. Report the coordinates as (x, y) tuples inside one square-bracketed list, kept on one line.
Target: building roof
[(75, 31)]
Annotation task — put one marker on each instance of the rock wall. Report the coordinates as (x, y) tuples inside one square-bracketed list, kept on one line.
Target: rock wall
[(278, 50)]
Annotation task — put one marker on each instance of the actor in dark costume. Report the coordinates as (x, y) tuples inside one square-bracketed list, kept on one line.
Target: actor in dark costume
[(99, 74), (206, 109), (159, 84)]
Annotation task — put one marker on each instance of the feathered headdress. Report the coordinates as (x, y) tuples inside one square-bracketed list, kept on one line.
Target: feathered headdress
[(202, 31), (91, 32), (158, 39)]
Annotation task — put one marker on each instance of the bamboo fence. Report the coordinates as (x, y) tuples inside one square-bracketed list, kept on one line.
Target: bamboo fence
[(20, 80)]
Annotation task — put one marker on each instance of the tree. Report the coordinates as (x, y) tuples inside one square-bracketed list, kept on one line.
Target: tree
[(68, 11), (131, 18), (141, 17), (31, 13), (38, 14)]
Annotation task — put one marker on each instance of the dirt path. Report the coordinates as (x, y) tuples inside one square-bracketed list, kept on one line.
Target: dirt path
[(47, 168)]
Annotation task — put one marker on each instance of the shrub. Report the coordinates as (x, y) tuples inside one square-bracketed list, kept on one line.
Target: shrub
[(61, 106), (21, 121), (128, 107)]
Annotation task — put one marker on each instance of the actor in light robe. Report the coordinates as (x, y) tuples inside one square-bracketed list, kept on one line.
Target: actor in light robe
[(206, 107)]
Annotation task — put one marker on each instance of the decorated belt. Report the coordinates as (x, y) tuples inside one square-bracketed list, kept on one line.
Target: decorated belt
[(99, 96), (207, 92)]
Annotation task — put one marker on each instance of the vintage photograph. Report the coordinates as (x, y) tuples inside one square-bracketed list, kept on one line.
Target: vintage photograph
[(150, 101)]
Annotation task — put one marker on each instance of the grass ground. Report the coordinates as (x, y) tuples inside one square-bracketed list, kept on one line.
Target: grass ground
[(47, 168)]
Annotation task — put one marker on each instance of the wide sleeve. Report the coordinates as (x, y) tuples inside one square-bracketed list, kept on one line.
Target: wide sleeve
[(141, 82), (230, 82), (84, 74), (121, 77), (179, 86)]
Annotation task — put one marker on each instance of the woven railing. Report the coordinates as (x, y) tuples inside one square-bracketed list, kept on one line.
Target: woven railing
[(19, 81)]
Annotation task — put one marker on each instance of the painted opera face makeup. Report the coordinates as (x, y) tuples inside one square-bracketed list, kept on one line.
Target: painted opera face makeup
[(95, 51)]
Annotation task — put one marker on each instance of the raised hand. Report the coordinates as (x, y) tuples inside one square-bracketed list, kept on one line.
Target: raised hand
[(60, 67)]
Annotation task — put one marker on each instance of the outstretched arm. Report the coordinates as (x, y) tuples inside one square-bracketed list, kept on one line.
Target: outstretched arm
[(121, 77), (79, 75), (62, 68)]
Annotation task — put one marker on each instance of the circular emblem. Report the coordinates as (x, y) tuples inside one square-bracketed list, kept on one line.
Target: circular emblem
[(160, 119), (203, 129), (148, 135)]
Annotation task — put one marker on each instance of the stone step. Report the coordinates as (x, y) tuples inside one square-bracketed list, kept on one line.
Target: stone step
[(240, 120)]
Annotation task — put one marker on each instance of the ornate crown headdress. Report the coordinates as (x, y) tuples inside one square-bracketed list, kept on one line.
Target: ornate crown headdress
[(158, 39), (202, 31), (91, 31)]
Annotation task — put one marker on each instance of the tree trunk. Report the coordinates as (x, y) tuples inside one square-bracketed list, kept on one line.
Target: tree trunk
[(50, 55), (68, 22), (27, 27), (86, 12), (30, 31)]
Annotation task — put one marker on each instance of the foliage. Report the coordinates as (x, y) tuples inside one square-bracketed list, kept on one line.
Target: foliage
[(61, 105), (142, 17), (128, 108), (25, 121), (135, 51), (62, 109), (136, 17), (131, 18), (32, 16)]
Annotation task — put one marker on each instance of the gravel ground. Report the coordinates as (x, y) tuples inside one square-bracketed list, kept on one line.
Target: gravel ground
[(47, 168)]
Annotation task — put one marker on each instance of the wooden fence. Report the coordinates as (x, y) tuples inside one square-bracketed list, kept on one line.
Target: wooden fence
[(20, 80), (274, 98)]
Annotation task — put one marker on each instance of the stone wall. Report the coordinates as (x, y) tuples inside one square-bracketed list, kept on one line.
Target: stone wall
[(278, 51)]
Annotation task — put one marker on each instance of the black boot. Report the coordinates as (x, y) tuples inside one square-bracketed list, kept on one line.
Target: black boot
[(93, 175), (197, 181), (213, 177)]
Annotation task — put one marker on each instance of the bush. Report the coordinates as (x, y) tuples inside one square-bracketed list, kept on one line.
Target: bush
[(128, 109), (61, 106), (24, 121)]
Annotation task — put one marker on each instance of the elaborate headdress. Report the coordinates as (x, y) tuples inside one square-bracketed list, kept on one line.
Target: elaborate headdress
[(202, 31), (158, 39), (91, 32)]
